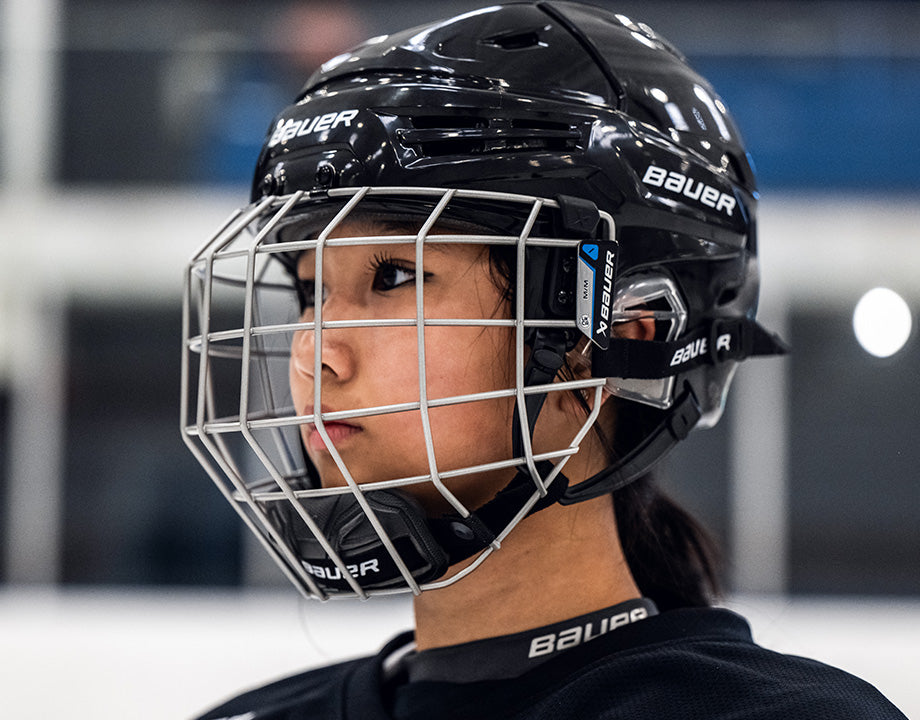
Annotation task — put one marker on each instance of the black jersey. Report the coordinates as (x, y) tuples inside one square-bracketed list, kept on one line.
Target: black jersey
[(689, 664)]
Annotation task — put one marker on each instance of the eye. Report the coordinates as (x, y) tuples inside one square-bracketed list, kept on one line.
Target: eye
[(390, 276), (390, 273)]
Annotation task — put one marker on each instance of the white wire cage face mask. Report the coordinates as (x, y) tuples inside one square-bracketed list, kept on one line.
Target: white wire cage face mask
[(352, 523)]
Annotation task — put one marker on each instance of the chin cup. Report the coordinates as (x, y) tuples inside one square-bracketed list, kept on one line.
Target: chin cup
[(345, 525)]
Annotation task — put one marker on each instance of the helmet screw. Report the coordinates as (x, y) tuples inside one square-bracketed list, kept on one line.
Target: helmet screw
[(563, 297), (462, 531), (268, 186), (324, 175)]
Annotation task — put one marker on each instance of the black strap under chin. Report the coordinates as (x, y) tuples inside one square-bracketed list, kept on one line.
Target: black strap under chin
[(717, 342), (463, 537), (680, 419)]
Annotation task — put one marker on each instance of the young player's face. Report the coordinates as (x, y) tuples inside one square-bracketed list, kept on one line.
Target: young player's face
[(376, 366)]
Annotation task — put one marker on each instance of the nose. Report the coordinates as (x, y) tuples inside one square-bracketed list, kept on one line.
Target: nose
[(338, 350)]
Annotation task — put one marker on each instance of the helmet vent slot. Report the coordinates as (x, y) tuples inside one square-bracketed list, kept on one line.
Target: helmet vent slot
[(535, 124), (515, 41), (439, 135), (448, 122)]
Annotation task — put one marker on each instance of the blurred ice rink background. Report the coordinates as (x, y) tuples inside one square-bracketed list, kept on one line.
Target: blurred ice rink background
[(127, 130)]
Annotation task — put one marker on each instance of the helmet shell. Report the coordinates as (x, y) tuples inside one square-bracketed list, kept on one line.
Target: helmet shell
[(543, 99)]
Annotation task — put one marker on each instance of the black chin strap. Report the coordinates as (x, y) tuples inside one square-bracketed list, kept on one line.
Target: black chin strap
[(722, 340), (463, 537), (683, 415)]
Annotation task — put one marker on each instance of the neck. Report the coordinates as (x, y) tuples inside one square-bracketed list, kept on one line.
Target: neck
[(558, 563)]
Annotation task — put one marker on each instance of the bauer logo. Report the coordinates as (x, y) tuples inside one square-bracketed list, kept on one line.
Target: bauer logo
[(332, 572), (595, 279), (287, 129), (700, 347), (689, 188), (578, 634)]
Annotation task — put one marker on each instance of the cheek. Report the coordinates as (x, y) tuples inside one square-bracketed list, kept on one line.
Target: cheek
[(389, 368), (468, 360), (299, 382), (477, 361), (473, 433)]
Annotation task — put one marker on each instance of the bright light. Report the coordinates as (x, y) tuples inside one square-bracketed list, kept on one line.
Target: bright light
[(882, 322)]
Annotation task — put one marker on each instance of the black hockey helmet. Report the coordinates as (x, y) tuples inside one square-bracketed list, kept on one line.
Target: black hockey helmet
[(637, 163)]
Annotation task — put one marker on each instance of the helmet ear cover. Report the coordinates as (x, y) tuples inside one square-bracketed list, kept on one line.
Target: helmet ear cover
[(723, 340)]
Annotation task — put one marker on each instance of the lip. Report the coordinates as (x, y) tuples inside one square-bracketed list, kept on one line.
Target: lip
[(337, 431)]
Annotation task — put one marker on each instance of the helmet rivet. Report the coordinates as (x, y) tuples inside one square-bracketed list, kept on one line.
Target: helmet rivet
[(324, 175), (461, 531), (268, 186), (563, 297)]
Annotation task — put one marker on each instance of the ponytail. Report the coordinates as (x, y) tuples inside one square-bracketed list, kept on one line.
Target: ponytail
[(673, 559)]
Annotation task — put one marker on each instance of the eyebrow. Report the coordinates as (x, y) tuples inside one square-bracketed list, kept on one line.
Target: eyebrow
[(434, 247), (430, 246)]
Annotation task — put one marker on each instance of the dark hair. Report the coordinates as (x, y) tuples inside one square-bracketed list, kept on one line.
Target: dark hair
[(673, 558)]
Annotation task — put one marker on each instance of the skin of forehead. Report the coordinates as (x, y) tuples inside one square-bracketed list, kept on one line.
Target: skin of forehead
[(374, 225)]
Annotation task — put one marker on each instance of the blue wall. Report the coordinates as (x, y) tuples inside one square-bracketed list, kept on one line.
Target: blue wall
[(825, 122)]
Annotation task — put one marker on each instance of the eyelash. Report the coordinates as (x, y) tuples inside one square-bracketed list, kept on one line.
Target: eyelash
[(382, 260)]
